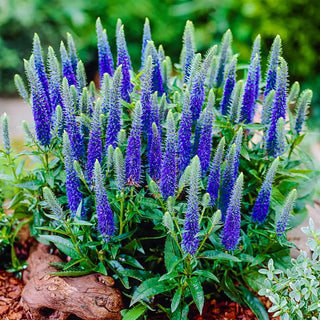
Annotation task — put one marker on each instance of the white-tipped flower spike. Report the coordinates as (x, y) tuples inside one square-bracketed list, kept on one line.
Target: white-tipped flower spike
[(105, 92), (194, 68), (53, 203), (21, 87), (81, 76), (281, 136), (109, 156), (72, 53), (302, 109), (5, 133), (26, 129), (145, 38), (284, 217), (236, 102), (119, 168), (267, 108), (225, 46), (190, 241), (58, 122), (189, 48), (294, 92)]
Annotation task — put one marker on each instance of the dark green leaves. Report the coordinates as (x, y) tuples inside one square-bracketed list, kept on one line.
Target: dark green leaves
[(196, 292)]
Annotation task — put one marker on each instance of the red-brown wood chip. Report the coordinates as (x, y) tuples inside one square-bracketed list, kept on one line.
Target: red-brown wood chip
[(10, 293)]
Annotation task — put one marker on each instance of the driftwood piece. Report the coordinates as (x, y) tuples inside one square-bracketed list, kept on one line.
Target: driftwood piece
[(90, 297)]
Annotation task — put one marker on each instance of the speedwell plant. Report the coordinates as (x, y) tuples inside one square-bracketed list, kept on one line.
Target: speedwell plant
[(173, 180)]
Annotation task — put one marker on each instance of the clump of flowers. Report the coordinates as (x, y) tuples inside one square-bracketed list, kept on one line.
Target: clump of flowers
[(167, 172)]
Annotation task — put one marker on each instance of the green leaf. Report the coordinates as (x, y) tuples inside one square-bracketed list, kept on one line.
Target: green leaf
[(71, 273), (135, 313), (254, 304), (124, 258), (30, 185), (171, 253), (206, 274), (196, 292), (213, 254), (151, 287), (254, 280), (176, 299), (64, 245)]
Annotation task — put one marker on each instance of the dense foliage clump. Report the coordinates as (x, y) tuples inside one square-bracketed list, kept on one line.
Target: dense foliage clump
[(166, 179)]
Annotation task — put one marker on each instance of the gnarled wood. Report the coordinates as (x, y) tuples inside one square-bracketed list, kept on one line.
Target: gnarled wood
[(90, 297)]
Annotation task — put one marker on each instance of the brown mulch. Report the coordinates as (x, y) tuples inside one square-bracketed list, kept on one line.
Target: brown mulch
[(10, 292)]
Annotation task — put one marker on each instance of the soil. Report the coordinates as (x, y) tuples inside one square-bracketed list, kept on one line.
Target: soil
[(10, 309)]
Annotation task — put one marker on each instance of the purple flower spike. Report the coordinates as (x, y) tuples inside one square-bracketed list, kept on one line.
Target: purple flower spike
[(72, 53), (72, 181), (40, 105), (40, 68), (225, 46), (54, 80), (190, 240), (271, 78), (123, 59), (114, 120), (284, 217), (238, 141), (106, 224), (205, 143), (95, 143), (231, 229), (157, 81), (197, 92), (256, 52), (133, 156), (189, 48), (279, 107), (72, 128), (249, 99), (184, 134), (168, 165), (228, 87), (228, 180), (303, 105), (215, 173), (145, 38), (261, 206), (67, 71), (155, 154), (146, 87), (104, 52)]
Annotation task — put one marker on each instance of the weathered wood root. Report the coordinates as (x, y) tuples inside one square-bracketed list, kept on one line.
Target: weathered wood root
[(90, 297)]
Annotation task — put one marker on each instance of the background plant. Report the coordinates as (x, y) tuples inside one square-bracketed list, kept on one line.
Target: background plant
[(295, 291), (105, 187)]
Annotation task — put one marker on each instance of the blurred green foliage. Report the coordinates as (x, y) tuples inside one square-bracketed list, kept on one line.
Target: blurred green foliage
[(297, 22)]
